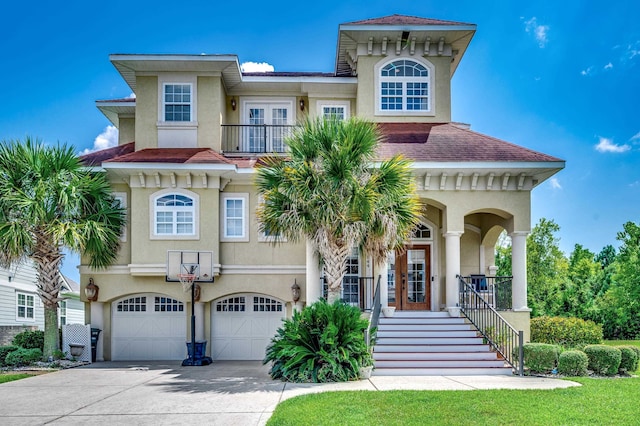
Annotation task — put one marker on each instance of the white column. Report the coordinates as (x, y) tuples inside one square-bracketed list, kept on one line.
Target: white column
[(97, 321), (199, 312), (519, 270), (383, 270), (452, 270), (313, 287)]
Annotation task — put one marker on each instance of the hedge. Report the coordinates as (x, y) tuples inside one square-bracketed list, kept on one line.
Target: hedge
[(540, 357), (628, 360), (22, 356), (4, 351), (573, 363), (567, 332), (603, 360)]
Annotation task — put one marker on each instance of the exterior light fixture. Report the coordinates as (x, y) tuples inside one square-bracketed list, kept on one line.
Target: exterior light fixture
[(295, 291), (301, 104), (91, 291), (233, 104)]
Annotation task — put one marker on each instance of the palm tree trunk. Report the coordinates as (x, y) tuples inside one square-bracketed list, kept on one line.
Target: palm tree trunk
[(51, 335)]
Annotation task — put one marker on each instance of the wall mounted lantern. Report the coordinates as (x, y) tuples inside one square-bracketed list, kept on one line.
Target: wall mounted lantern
[(91, 291)]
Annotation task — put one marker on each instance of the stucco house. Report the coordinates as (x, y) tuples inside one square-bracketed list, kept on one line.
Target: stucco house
[(188, 146), (21, 308)]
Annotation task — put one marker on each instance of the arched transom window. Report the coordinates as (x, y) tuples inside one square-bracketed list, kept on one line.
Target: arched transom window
[(405, 86), (174, 215)]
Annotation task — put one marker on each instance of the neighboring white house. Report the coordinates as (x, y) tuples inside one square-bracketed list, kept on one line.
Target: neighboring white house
[(21, 308)]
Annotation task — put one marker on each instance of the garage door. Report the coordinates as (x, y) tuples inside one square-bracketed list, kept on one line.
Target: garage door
[(242, 326), (148, 327)]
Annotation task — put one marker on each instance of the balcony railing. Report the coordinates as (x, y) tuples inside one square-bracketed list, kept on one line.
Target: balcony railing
[(356, 291), (254, 138), (496, 291)]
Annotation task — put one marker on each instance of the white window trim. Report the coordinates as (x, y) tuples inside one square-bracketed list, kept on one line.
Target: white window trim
[(223, 216), (321, 104), (196, 215), (178, 78), (122, 197), (25, 318), (63, 308), (431, 96), (247, 102)]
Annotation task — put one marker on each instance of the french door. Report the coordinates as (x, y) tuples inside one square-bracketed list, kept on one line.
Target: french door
[(266, 125), (409, 279)]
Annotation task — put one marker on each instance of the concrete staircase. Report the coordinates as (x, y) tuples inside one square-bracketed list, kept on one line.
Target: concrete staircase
[(432, 344)]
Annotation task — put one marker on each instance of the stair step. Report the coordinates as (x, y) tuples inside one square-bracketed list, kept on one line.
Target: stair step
[(429, 348), (440, 364), (433, 356), (476, 371), (420, 334), (424, 327), (429, 341), (415, 320), (419, 314)]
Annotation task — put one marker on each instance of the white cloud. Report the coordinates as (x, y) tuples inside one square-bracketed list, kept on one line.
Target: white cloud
[(107, 139), (607, 145), (608, 66), (586, 71), (539, 31), (635, 137), (131, 96), (555, 183), (256, 67)]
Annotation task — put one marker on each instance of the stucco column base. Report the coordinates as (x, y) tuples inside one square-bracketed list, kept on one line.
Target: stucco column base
[(313, 290), (199, 312), (520, 320)]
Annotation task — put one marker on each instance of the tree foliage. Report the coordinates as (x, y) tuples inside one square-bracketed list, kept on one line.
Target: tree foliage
[(330, 192), (48, 201)]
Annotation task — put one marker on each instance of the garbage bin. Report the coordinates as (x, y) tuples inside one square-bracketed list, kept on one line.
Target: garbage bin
[(95, 333), (201, 348)]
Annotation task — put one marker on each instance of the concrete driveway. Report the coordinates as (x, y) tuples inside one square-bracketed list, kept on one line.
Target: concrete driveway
[(226, 392)]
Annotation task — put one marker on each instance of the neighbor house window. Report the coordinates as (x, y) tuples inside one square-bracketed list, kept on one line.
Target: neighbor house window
[(404, 86), (63, 312), (174, 215), (177, 102), (25, 304), (234, 216)]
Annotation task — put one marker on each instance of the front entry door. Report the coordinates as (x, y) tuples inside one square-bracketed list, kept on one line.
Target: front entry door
[(413, 278)]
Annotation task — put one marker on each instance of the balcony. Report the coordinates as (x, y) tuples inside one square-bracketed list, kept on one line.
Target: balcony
[(254, 139)]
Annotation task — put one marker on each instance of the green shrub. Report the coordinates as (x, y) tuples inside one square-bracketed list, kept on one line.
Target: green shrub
[(31, 339), (540, 357), (322, 343), (4, 351), (568, 332), (22, 356), (628, 360), (573, 363), (603, 360)]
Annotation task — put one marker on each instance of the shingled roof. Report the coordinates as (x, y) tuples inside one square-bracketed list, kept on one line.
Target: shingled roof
[(96, 158), (403, 20), (447, 142)]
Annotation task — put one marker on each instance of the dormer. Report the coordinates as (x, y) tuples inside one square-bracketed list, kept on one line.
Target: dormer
[(404, 65)]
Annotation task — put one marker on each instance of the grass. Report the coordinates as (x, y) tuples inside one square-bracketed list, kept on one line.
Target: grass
[(598, 401), (622, 343), (9, 377)]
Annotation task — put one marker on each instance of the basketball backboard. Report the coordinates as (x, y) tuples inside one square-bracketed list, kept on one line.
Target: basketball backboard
[(199, 263)]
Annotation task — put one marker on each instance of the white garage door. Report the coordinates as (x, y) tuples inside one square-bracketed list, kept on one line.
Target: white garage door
[(242, 326), (148, 327)]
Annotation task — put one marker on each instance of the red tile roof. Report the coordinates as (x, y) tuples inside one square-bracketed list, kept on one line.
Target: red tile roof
[(404, 20), (447, 142), (96, 158)]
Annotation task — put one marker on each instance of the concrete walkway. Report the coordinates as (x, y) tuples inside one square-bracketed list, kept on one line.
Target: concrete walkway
[(226, 392)]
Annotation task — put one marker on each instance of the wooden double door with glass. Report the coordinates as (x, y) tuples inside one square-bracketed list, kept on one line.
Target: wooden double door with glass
[(409, 279)]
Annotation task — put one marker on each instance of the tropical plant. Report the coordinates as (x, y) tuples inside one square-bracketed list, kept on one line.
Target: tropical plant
[(322, 343), (330, 192), (49, 201)]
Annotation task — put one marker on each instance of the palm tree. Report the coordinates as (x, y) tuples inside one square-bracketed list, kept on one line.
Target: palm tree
[(331, 193), (49, 201)]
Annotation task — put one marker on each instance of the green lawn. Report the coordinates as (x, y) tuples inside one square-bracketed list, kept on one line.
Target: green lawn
[(4, 378), (622, 342), (598, 401)]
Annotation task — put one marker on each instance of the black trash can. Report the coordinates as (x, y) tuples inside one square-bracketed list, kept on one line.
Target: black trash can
[(95, 334)]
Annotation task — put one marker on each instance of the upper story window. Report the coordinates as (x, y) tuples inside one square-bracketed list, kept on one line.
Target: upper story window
[(174, 214), (234, 217), (177, 102), (404, 86), (25, 304)]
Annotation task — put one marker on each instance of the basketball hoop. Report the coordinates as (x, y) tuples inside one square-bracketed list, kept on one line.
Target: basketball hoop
[(187, 281)]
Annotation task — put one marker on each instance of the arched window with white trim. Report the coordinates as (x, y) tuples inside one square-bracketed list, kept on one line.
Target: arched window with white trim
[(174, 214), (404, 85)]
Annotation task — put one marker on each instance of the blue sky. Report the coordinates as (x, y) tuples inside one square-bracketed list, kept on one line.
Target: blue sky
[(560, 77)]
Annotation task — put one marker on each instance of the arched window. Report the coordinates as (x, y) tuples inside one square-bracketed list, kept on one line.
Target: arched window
[(174, 215), (405, 85)]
